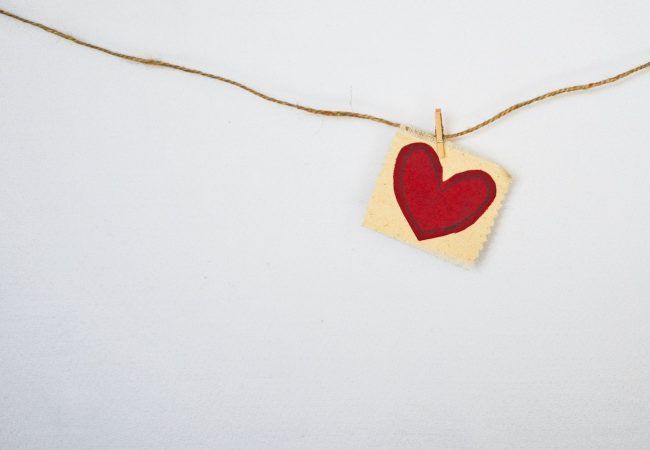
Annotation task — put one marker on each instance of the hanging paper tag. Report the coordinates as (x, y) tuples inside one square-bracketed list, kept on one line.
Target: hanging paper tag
[(444, 205)]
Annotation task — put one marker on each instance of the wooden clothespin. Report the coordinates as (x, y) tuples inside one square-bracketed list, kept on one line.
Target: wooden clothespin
[(440, 136)]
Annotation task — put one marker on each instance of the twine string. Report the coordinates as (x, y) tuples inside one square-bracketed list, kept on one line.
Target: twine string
[(317, 111), (539, 98)]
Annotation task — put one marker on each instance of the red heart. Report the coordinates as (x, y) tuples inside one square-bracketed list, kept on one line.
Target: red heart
[(434, 207)]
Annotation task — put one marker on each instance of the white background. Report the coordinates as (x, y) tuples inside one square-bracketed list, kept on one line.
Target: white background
[(182, 264)]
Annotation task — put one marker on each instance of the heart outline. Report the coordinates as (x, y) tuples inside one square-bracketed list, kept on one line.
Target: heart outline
[(440, 189)]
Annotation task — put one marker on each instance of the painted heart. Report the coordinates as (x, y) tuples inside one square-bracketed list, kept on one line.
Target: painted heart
[(433, 207)]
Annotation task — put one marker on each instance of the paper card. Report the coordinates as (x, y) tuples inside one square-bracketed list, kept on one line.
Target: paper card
[(445, 206)]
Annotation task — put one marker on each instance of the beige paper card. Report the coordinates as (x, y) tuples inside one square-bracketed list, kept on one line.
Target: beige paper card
[(452, 216)]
